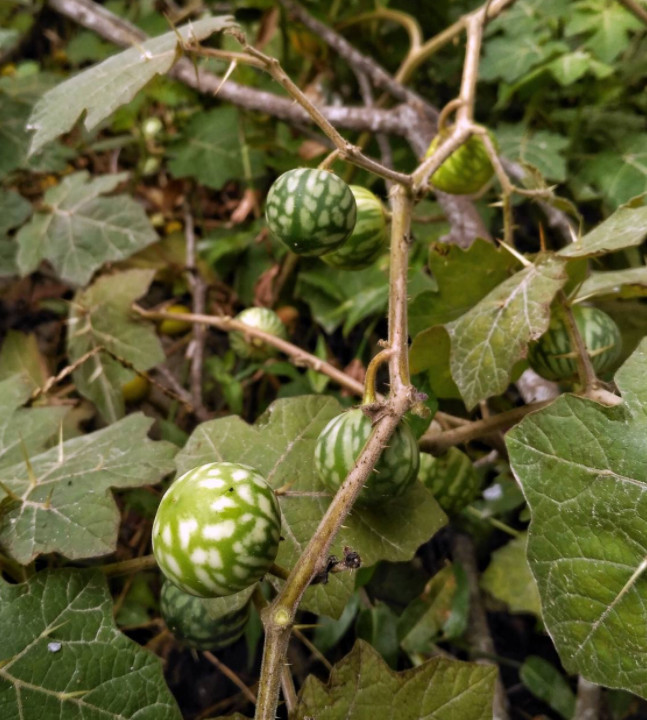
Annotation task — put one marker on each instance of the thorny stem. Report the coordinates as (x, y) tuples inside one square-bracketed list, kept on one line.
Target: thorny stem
[(278, 617), (347, 151), (437, 443)]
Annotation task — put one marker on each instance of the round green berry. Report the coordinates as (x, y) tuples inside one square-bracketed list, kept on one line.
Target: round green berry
[(252, 348), (553, 357), (368, 239), (465, 171), (451, 478), (341, 442), (311, 212), (205, 624), (217, 529)]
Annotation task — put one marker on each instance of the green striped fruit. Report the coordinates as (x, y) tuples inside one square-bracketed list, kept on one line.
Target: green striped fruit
[(342, 440), (205, 624), (252, 348), (312, 212), (465, 171), (217, 529), (552, 356), (451, 479), (367, 240)]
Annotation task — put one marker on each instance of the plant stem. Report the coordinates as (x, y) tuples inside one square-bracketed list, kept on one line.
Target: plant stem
[(438, 443), (126, 567)]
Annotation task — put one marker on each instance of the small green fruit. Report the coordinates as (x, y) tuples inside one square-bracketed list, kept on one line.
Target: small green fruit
[(252, 348), (552, 356), (205, 624), (465, 171), (311, 212), (451, 478), (217, 529), (340, 444), (368, 239)]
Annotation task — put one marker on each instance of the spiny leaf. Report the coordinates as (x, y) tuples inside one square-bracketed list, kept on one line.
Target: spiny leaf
[(583, 470), (491, 337), (103, 88), (363, 687), (78, 230), (61, 499), (63, 657), (24, 431), (101, 316)]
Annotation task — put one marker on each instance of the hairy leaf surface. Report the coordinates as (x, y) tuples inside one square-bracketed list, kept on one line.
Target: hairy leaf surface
[(583, 469)]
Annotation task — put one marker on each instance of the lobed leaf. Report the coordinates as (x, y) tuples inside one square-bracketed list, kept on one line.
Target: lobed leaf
[(63, 657), (101, 316), (61, 502), (363, 687), (78, 230)]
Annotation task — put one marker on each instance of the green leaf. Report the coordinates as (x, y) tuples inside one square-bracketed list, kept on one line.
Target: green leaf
[(345, 296), (377, 625), (491, 337), (101, 89), (543, 150), (362, 687), (101, 316), (608, 24), (529, 50), (20, 356), (24, 431), (627, 227), (281, 447), (548, 684), (582, 469), (508, 578), (631, 282), (62, 502), (213, 150), (429, 352), (79, 231), (463, 278), (15, 210), (621, 172), (14, 138), (62, 656)]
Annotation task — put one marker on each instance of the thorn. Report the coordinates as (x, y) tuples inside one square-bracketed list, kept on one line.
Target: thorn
[(523, 260)]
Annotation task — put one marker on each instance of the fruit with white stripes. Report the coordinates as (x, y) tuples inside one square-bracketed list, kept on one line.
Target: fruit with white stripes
[(254, 348), (553, 356), (451, 478), (204, 623), (310, 211), (217, 529), (465, 171), (368, 239), (340, 443)]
